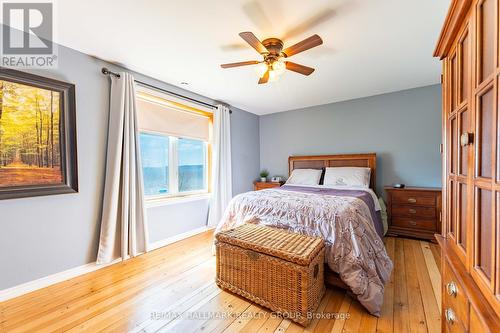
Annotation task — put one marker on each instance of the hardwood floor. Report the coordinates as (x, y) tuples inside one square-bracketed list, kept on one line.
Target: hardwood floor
[(172, 290)]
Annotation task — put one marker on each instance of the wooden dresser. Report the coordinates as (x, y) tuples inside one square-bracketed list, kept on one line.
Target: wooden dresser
[(257, 186), (470, 239), (414, 211)]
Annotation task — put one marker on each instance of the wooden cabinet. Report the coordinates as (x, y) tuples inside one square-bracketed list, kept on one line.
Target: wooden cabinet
[(468, 47), (464, 307), (257, 186), (414, 211)]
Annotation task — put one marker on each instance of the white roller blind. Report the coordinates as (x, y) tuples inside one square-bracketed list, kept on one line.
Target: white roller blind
[(160, 118)]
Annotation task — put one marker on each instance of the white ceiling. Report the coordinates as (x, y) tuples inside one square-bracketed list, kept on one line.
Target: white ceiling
[(370, 46)]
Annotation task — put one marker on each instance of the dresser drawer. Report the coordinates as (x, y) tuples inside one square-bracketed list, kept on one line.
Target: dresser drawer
[(454, 300), (265, 185), (413, 211), (453, 326), (414, 198), (415, 223)]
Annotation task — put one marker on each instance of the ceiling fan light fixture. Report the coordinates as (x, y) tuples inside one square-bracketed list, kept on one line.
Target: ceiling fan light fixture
[(273, 76), (279, 66), (261, 69), (273, 64)]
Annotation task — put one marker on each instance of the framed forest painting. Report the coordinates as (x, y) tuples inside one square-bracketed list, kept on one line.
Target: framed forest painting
[(37, 136)]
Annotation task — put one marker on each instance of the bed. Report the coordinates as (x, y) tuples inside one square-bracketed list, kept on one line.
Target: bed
[(346, 218)]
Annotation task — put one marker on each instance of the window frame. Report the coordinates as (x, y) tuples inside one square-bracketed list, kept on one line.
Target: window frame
[(173, 153)]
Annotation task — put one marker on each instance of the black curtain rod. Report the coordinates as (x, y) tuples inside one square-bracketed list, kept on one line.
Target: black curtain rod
[(106, 71)]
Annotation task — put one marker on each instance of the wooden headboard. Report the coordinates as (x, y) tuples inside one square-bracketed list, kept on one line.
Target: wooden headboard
[(345, 160)]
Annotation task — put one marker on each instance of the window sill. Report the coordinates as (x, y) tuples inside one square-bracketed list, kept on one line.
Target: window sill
[(158, 202)]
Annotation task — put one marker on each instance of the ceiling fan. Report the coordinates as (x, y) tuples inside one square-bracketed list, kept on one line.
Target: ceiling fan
[(274, 63)]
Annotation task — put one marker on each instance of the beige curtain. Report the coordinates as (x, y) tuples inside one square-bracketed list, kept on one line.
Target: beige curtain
[(221, 176), (123, 224)]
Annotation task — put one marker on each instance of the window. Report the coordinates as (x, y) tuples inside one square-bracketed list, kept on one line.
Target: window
[(192, 167), (175, 145), (154, 158)]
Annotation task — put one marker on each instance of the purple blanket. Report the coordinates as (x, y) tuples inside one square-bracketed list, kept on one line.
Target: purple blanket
[(363, 195)]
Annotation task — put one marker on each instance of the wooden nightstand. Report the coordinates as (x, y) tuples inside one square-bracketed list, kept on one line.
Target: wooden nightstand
[(414, 211), (257, 186)]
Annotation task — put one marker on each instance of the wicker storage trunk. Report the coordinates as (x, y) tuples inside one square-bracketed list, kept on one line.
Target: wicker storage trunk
[(280, 270)]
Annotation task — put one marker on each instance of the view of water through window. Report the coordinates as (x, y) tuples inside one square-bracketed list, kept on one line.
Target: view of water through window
[(154, 158), (191, 166)]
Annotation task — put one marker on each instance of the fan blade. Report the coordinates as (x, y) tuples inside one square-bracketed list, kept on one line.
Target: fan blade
[(253, 41), (306, 44), (304, 70), (237, 64), (310, 23), (264, 77), (258, 16)]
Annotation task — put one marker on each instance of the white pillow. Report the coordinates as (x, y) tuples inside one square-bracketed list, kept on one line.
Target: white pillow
[(347, 176), (304, 177)]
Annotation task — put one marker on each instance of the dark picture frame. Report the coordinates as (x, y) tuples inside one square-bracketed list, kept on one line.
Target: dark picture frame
[(67, 139)]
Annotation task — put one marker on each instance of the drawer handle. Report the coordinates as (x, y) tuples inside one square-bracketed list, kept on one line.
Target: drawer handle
[(412, 211), (413, 223), (412, 200), (450, 316), (451, 289)]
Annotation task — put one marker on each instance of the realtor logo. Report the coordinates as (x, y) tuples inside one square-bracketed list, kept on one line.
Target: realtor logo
[(27, 34)]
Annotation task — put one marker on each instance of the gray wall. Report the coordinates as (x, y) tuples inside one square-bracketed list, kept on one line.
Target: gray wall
[(45, 235), (245, 152), (403, 128)]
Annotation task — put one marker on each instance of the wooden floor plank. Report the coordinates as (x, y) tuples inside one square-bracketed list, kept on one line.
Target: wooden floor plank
[(433, 270), (177, 284), (197, 316), (352, 325), (257, 321), (283, 326), (325, 324), (270, 325), (401, 315), (417, 322), (338, 325), (436, 252), (237, 325), (139, 308), (368, 323), (431, 306), (178, 309), (229, 316)]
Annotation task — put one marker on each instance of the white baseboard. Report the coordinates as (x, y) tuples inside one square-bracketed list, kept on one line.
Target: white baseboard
[(80, 270), (176, 238)]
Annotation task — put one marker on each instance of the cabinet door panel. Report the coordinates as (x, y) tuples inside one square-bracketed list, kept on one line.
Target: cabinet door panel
[(454, 81), (483, 232), (464, 61), (462, 216), (451, 204), (486, 38), (454, 145), (484, 121)]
